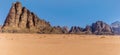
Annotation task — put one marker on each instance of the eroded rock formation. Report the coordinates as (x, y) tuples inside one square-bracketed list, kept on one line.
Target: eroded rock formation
[(65, 29), (88, 30), (75, 30), (116, 27), (20, 19), (101, 28)]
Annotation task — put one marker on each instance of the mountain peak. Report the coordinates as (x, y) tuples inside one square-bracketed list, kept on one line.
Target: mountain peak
[(20, 19), (115, 24)]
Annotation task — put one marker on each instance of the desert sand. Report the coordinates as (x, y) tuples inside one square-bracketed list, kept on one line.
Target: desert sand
[(58, 44)]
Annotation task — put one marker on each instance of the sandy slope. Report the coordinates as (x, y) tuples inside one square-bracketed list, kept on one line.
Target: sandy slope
[(45, 44)]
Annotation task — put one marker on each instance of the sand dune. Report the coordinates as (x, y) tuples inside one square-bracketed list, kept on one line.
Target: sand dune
[(53, 44)]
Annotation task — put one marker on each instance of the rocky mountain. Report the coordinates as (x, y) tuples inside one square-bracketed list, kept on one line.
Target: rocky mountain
[(57, 30), (115, 24), (88, 30), (98, 28), (65, 29), (101, 28), (116, 27), (20, 19), (75, 30)]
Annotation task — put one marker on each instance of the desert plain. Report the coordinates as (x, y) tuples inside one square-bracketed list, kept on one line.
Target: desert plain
[(58, 44)]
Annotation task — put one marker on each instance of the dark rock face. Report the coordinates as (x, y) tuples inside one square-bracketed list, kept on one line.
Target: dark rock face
[(98, 28), (101, 28), (116, 27), (75, 30), (65, 30), (21, 19), (88, 30)]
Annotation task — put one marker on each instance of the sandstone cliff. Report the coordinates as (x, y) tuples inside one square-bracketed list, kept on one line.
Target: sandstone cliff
[(20, 19)]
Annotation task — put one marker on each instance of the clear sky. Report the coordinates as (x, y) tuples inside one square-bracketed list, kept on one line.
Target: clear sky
[(68, 12)]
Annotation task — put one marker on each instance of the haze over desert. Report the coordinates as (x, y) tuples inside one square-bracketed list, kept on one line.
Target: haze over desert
[(58, 44)]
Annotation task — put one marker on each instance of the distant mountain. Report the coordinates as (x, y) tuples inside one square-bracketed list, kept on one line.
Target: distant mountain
[(22, 20), (98, 28), (115, 24), (101, 28), (116, 27), (75, 30)]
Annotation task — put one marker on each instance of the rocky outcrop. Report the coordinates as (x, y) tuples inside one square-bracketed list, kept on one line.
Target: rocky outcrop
[(57, 30), (0, 28), (101, 28), (20, 19), (75, 30), (98, 28), (88, 30), (65, 29), (116, 27)]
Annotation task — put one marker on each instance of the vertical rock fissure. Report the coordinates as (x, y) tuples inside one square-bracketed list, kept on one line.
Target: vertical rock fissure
[(21, 19)]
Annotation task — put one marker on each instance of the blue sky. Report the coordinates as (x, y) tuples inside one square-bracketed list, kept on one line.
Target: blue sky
[(68, 12)]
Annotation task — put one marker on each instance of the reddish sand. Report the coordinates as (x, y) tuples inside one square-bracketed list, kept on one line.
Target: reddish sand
[(53, 44)]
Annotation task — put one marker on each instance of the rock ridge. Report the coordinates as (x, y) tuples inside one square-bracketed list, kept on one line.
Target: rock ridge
[(20, 19)]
